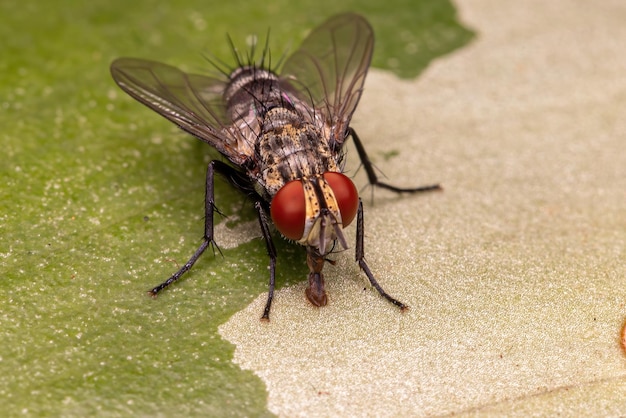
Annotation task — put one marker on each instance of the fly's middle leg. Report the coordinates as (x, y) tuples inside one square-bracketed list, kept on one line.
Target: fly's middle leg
[(373, 178), (209, 210)]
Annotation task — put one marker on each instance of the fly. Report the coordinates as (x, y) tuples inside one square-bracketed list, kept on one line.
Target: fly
[(283, 136)]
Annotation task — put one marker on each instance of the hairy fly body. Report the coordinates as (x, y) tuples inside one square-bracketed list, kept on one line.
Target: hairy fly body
[(283, 136)]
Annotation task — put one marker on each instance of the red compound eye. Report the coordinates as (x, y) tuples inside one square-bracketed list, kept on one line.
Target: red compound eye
[(346, 195), (288, 210)]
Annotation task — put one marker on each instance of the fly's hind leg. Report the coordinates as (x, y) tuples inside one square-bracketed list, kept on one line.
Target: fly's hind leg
[(208, 239), (373, 178)]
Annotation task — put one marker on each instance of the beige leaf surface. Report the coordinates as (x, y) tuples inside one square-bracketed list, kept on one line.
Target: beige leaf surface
[(515, 274)]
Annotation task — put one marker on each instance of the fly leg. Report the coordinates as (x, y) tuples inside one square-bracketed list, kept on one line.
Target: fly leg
[(271, 252), (373, 178), (360, 258), (209, 209)]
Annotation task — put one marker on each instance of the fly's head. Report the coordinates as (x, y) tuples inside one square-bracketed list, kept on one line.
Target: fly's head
[(314, 210)]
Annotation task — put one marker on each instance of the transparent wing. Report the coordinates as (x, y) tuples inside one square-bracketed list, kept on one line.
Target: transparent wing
[(329, 70), (193, 102)]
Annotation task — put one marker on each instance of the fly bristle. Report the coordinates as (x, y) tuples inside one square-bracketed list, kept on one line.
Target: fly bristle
[(220, 66), (249, 59)]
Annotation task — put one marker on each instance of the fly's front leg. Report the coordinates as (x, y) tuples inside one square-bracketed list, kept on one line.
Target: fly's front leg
[(373, 178), (209, 210), (360, 258), (271, 252)]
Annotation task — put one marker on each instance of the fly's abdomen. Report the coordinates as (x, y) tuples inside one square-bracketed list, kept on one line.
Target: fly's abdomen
[(248, 86)]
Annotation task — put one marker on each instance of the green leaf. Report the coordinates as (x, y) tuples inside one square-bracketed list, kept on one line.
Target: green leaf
[(101, 199)]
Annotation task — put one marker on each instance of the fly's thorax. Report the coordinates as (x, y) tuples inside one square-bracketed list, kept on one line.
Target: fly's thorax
[(290, 149)]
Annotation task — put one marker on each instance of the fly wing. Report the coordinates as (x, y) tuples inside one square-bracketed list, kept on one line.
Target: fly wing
[(193, 102), (329, 69)]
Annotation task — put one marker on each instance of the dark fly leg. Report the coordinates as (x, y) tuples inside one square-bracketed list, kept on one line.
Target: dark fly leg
[(233, 176), (371, 174), (271, 252), (359, 254)]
